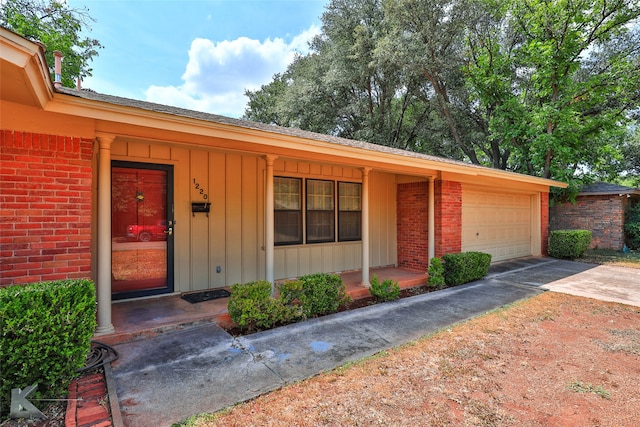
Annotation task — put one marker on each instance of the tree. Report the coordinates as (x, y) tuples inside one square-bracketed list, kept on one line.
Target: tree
[(543, 87), (344, 87), (557, 79), (59, 28)]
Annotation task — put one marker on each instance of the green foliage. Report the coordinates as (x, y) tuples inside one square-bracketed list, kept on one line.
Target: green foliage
[(436, 274), (568, 244), (58, 27), (387, 290), (465, 267), (252, 307), (318, 294), (45, 334), (539, 87), (632, 226)]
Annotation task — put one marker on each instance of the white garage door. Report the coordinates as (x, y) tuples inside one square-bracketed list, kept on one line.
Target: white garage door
[(498, 223)]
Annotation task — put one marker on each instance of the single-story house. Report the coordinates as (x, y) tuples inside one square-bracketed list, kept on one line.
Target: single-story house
[(599, 207), (148, 199)]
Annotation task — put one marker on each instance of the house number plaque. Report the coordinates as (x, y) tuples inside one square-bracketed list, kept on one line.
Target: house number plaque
[(199, 188)]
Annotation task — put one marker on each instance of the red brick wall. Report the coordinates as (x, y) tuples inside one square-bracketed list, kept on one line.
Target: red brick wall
[(412, 226), (603, 215), (544, 222), (45, 207), (448, 220)]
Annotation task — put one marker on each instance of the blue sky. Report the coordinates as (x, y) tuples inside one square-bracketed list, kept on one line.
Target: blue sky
[(196, 54)]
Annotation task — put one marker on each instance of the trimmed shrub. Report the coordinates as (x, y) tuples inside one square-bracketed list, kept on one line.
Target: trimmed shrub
[(322, 293), (632, 227), (569, 244), (465, 267), (45, 335), (436, 274), (252, 307), (388, 290)]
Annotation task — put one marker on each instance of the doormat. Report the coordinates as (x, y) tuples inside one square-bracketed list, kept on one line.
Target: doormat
[(205, 295)]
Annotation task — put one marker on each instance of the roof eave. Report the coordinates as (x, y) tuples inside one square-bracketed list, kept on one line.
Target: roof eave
[(101, 110)]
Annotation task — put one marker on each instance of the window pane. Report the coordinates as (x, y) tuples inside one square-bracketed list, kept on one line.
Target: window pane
[(320, 211), (349, 211), (319, 195), (350, 196), (287, 227), (349, 225), (320, 226), (287, 218), (287, 194)]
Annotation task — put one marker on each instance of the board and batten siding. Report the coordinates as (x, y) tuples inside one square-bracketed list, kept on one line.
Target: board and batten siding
[(232, 236), (298, 260)]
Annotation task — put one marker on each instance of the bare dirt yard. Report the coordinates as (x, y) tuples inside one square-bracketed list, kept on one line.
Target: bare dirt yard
[(552, 360)]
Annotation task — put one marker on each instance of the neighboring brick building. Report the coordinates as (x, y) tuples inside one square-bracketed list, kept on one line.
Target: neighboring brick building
[(599, 207)]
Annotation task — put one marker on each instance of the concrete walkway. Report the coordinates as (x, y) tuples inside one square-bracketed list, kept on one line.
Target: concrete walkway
[(170, 377)]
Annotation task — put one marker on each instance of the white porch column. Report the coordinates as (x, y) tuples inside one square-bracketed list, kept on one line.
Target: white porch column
[(104, 236), (269, 232), (365, 227), (431, 227)]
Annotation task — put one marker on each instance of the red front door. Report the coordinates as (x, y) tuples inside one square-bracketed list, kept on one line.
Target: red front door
[(141, 229)]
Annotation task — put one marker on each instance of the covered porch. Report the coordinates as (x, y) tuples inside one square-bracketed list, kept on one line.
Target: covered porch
[(142, 318)]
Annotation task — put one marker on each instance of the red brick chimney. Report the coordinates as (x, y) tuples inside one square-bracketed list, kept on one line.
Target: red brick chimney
[(58, 68)]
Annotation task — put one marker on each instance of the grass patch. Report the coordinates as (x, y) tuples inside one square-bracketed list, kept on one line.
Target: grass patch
[(611, 257), (580, 387)]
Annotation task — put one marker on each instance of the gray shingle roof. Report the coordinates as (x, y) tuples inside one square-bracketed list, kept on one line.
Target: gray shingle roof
[(598, 188), (299, 133)]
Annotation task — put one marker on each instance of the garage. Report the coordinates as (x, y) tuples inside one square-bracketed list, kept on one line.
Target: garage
[(496, 222)]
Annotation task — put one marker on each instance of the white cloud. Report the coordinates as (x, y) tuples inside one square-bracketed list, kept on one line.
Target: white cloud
[(218, 73)]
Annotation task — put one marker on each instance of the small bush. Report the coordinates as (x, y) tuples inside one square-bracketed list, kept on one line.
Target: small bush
[(632, 227), (45, 335), (322, 293), (569, 244), (436, 274), (252, 307), (465, 267), (388, 290)]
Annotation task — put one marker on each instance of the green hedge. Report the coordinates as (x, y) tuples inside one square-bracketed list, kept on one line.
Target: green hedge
[(252, 307), (465, 267), (45, 335), (569, 244), (318, 294), (387, 290)]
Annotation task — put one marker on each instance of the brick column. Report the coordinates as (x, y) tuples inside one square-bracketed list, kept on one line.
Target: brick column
[(448, 218), (544, 223), (412, 226)]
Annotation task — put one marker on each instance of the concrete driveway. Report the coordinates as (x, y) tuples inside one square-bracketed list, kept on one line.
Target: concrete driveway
[(167, 378), (606, 283)]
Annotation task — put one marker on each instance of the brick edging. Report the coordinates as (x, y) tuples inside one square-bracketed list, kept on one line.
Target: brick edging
[(87, 402)]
